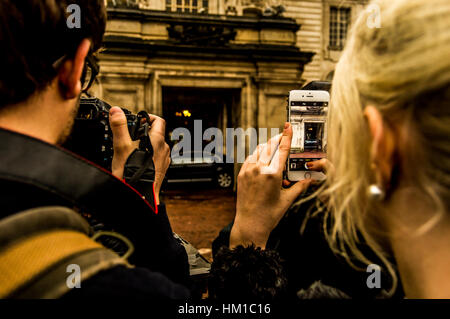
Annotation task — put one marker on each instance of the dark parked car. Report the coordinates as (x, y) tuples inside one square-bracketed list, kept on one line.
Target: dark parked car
[(194, 167)]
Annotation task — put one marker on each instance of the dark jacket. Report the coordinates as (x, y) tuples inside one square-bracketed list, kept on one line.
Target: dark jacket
[(294, 264), (162, 275)]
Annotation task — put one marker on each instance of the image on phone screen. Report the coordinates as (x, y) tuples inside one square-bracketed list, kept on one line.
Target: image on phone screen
[(309, 138)]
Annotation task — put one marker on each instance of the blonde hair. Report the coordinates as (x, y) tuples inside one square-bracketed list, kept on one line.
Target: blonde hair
[(403, 69)]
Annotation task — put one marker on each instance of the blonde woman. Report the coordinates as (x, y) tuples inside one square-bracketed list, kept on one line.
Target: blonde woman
[(389, 128)]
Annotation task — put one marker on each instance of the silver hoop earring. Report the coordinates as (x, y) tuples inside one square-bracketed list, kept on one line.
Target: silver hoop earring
[(376, 193)]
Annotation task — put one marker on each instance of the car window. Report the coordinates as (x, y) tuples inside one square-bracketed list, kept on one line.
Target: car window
[(194, 157)]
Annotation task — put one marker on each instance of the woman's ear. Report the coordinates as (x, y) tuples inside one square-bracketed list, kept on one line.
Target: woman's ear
[(383, 144), (71, 70)]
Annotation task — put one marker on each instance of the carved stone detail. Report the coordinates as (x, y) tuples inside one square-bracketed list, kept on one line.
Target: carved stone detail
[(267, 8), (123, 3), (201, 34), (141, 4)]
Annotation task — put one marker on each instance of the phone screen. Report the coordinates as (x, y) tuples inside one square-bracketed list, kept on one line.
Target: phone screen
[(308, 122)]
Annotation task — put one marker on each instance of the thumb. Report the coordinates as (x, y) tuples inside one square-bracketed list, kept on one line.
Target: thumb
[(119, 128), (295, 190)]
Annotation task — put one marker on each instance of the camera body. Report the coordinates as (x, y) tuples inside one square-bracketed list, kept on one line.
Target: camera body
[(307, 113), (91, 136)]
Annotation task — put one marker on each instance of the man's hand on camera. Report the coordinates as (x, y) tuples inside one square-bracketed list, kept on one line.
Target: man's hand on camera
[(261, 200), (161, 151), (122, 143), (124, 146)]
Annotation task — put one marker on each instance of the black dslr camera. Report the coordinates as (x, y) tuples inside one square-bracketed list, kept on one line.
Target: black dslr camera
[(91, 135)]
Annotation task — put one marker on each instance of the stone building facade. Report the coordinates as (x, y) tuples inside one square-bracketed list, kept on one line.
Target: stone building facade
[(230, 63), (324, 26)]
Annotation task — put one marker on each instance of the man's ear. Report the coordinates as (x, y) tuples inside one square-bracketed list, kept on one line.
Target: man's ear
[(383, 143), (70, 72)]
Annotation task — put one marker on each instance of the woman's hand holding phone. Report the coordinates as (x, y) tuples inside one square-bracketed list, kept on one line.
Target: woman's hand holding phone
[(261, 200)]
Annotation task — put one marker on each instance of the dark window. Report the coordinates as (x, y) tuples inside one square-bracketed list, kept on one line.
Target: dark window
[(339, 22)]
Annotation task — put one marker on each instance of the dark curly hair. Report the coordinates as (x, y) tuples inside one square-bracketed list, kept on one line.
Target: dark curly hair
[(247, 273), (34, 34)]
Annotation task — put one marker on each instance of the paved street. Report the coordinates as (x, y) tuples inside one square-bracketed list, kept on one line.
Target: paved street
[(198, 212)]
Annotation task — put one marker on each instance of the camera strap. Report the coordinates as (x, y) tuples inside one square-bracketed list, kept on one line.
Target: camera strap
[(91, 190), (139, 170)]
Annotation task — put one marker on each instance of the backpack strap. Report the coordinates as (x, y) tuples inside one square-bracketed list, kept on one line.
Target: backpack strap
[(37, 245), (54, 283)]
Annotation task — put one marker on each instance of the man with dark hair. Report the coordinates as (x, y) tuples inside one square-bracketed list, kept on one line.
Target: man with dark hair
[(43, 63), (34, 35)]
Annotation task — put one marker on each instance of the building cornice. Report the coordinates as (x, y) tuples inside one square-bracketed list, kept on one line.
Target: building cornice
[(246, 22), (254, 53)]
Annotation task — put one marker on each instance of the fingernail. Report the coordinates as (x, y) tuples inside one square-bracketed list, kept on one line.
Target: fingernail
[(113, 111), (309, 164)]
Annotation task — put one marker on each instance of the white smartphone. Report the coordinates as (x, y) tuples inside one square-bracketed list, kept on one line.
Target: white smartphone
[(307, 113)]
